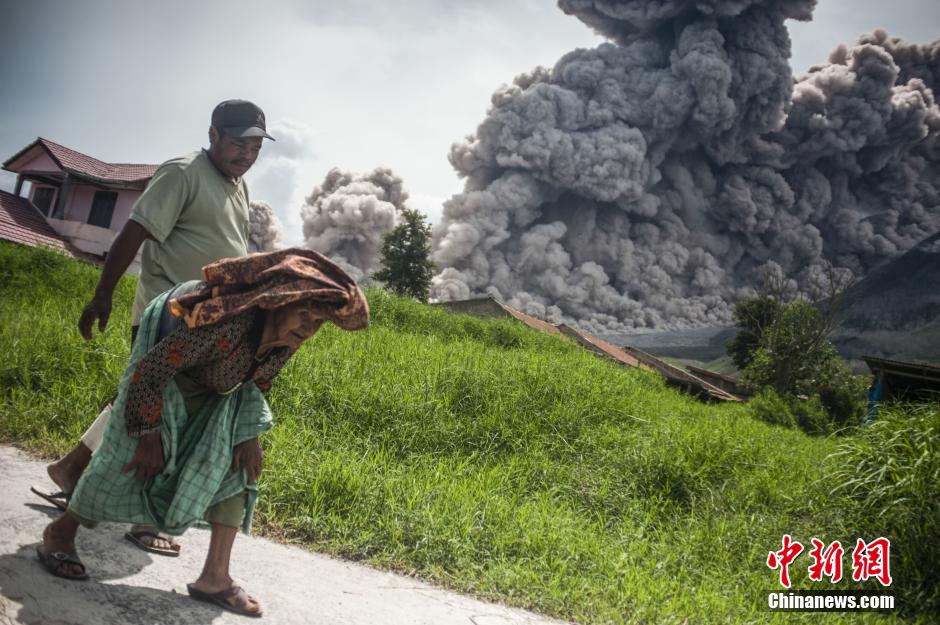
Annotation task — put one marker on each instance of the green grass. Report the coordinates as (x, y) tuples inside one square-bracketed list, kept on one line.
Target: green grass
[(481, 455)]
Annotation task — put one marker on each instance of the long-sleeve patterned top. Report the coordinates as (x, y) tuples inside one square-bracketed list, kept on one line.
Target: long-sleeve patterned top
[(218, 357)]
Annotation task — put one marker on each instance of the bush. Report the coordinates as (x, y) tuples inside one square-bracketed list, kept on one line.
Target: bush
[(808, 415), (771, 408), (844, 395), (892, 470), (811, 416)]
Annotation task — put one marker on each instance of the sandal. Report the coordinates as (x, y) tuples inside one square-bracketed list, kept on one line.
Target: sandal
[(53, 561), (58, 499), (230, 599), (137, 536)]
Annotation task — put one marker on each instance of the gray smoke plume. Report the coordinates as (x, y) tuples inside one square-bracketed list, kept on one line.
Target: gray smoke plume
[(264, 227), (346, 216), (651, 182)]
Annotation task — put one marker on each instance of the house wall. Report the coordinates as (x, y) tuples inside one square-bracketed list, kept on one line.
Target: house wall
[(85, 237), (78, 206), (41, 162)]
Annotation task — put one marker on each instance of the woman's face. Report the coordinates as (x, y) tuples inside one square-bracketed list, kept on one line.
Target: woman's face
[(295, 324)]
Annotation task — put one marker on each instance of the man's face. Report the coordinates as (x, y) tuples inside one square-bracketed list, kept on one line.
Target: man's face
[(233, 155)]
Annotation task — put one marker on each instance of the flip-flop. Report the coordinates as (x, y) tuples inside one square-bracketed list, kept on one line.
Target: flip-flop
[(135, 537), (224, 598), (58, 499), (54, 559)]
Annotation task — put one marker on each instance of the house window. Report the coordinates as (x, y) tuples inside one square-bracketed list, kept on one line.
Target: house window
[(42, 198), (102, 208)]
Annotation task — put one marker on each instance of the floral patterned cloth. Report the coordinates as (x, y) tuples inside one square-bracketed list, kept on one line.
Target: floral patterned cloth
[(269, 280), (218, 348), (217, 357)]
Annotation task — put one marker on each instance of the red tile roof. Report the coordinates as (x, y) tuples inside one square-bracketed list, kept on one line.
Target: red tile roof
[(83, 165), (602, 347), (21, 223), (529, 320)]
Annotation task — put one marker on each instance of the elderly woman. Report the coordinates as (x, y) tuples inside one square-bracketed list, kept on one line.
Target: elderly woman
[(183, 444)]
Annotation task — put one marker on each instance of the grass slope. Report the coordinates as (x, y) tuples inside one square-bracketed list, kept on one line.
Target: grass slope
[(479, 454)]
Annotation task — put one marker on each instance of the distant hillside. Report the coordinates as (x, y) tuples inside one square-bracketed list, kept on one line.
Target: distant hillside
[(892, 313), (895, 311)]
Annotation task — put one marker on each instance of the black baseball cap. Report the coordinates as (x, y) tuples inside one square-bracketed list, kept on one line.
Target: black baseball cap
[(240, 118)]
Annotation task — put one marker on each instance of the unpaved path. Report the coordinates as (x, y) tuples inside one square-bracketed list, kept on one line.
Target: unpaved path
[(129, 586)]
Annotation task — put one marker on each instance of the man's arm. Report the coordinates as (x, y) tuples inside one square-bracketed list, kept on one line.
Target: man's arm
[(119, 258)]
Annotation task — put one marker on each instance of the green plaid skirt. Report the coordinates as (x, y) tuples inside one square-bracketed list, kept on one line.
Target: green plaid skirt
[(197, 449)]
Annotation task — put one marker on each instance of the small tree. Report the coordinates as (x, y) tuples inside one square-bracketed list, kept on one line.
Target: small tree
[(785, 347), (406, 266), (752, 316)]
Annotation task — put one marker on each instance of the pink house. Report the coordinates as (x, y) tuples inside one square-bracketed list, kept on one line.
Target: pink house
[(86, 201)]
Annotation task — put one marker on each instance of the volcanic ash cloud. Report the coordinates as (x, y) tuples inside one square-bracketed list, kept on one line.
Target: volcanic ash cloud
[(651, 181), (264, 227), (346, 216)]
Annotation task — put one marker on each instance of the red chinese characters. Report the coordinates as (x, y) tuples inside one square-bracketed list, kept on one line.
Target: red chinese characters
[(869, 560), (826, 561), (783, 558), (872, 560)]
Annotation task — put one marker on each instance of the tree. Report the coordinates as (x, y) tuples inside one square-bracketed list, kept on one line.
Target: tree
[(796, 358), (406, 266), (752, 316), (755, 315), (785, 346)]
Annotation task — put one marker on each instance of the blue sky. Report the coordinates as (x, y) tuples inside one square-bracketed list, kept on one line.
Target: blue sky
[(355, 84)]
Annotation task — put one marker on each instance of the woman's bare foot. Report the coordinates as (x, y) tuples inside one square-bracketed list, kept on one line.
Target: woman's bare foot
[(59, 536), (66, 471)]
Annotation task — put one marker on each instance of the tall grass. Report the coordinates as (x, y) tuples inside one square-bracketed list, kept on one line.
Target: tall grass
[(481, 455), (892, 471)]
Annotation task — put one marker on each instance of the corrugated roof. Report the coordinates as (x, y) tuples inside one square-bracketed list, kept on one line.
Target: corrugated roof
[(86, 166), (921, 370), (601, 346), (21, 223), (678, 376), (488, 306), (530, 321)]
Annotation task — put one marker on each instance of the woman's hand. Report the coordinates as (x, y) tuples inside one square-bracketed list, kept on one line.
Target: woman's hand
[(148, 459), (250, 456)]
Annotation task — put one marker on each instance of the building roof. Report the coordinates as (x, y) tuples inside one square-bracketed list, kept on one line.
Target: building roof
[(601, 346), (529, 320), (701, 371), (21, 223), (682, 378), (86, 166), (914, 370), (488, 306)]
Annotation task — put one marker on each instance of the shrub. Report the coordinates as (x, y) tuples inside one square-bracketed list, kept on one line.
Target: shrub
[(772, 408), (808, 415), (892, 470), (811, 415), (844, 395)]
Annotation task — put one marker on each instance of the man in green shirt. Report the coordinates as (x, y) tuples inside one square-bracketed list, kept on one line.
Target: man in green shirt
[(194, 211)]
